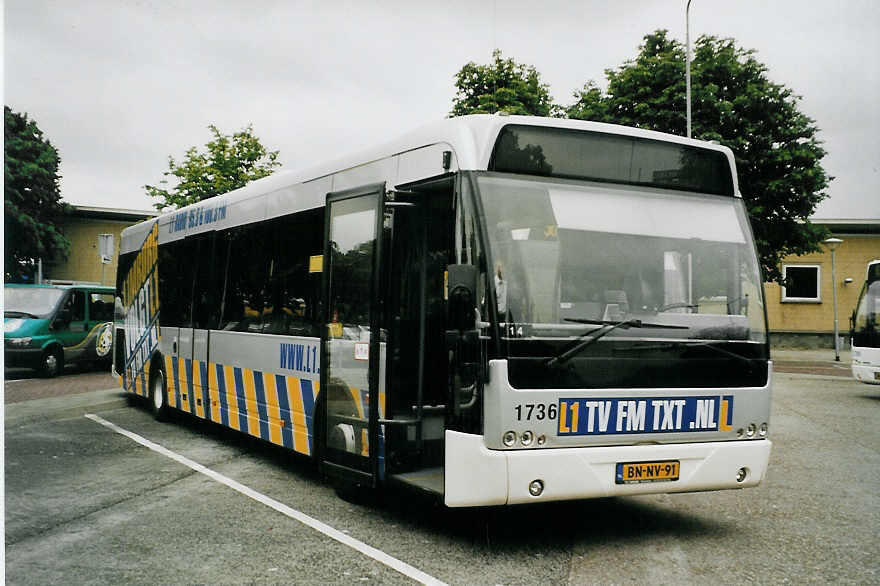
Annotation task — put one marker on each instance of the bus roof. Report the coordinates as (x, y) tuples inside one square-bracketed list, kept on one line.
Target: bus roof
[(470, 139), (473, 138)]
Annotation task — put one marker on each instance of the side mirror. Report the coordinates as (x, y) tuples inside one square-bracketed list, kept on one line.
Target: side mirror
[(461, 304), (62, 319)]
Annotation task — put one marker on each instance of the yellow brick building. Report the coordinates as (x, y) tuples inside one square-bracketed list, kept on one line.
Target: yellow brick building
[(804, 315), (83, 228)]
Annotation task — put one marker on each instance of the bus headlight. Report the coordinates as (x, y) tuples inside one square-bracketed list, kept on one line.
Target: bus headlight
[(763, 430), (527, 438), (509, 438), (750, 432)]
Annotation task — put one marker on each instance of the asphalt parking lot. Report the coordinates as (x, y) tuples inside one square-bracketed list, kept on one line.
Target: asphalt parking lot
[(88, 505)]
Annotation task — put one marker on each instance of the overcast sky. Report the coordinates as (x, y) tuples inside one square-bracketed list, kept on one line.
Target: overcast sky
[(117, 86)]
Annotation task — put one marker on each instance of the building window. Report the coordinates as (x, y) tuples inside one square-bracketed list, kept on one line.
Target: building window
[(801, 284)]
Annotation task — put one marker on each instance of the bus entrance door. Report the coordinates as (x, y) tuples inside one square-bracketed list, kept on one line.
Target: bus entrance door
[(416, 254), (353, 348)]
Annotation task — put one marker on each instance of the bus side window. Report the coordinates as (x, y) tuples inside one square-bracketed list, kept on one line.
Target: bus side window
[(176, 282), (293, 290), (469, 251), (245, 273), (208, 281), (464, 409)]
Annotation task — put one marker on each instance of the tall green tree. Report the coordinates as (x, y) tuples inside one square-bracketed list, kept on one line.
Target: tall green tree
[(31, 199), (228, 162), (776, 147), (501, 86)]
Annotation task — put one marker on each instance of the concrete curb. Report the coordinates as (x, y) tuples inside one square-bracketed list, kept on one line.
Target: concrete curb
[(777, 373), (815, 356)]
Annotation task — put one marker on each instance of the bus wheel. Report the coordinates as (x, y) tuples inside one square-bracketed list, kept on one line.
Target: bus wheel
[(158, 395), (52, 362)]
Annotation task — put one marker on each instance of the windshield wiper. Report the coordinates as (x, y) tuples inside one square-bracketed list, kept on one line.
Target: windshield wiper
[(677, 306), (713, 345), (593, 335), (19, 314)]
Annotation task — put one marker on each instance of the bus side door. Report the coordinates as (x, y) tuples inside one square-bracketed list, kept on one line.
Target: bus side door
[(352, 343)]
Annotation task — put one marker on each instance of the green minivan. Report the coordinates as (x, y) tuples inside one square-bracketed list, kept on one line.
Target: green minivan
[(46, 326)]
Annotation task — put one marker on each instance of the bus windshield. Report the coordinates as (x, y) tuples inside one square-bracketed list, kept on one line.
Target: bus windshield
[(572, 260), (866, 325)]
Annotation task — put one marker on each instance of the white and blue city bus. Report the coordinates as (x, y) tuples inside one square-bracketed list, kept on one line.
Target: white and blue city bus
[(865, 329), (493, 309)]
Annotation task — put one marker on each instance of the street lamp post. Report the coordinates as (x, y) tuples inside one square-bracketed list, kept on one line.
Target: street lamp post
[(687, 63), (832, 244), (105, 252)]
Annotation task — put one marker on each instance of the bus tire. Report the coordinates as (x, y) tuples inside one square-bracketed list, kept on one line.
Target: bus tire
[(158, 395), (51, 362)]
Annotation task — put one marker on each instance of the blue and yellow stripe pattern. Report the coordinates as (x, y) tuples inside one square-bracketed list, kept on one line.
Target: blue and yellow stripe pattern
[(135, 381), (140, 297), (273, 407)]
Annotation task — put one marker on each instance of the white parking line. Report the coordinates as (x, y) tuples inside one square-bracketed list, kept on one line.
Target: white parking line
[(376, 554)]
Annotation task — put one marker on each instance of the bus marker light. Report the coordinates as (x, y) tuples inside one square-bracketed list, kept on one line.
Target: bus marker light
[(536, 487), (527, 438), (509, 438), (542, 439), (740, 432), (741, 474)]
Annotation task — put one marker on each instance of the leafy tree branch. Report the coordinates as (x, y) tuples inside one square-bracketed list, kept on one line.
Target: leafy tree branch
[(228, 162), (32, 206)]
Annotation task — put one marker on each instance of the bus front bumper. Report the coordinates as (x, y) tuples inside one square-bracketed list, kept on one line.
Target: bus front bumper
[(477, 476), (866, 373)]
